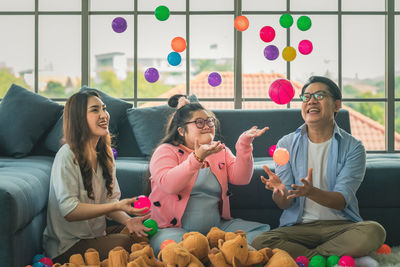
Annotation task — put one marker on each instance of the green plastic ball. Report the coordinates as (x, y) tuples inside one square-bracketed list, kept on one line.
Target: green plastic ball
[(286, 20), (162, 13), (317, 261), (150, 223), (304, 23), (332, 261)]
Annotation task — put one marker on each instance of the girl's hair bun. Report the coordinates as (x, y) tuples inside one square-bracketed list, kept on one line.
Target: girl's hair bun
[(173, 100)]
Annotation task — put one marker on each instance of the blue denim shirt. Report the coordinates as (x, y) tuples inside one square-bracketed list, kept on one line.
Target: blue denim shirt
[(345, 171)]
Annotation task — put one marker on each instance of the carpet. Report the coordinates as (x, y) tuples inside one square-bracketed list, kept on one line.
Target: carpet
[(389, 260)]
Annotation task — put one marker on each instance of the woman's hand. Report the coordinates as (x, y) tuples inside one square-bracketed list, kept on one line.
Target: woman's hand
[(274, 183), (135, 225), (254, 132), (204, 150), (127, 206)]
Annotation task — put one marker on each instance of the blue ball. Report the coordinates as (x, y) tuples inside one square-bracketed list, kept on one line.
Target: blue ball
[(38, 264), (37, 258), (174, 59)]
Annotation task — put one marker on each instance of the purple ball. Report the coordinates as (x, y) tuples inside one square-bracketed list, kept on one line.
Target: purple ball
[(119, 24), (300, 264), (214, 79), (151, 75), (271, 52), (115, 153)]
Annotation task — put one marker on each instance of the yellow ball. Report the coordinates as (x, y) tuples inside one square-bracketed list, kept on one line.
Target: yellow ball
[(289, 53)]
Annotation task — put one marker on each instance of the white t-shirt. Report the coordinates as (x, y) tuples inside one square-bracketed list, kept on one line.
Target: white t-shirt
[(66, 191), (317, 159)]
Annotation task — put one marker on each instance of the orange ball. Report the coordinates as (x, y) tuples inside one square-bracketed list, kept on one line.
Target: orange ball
[(178, 44), (281, 156), (166, 242), (384, 249), (241, 23)]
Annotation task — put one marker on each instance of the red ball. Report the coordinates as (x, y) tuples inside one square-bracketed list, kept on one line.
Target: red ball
[(142, 202), (281, 91), (46, 261), (384, 249)]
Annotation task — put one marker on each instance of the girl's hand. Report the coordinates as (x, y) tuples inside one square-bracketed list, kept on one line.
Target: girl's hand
[(203, 151), (127, 206), (254, 132), (135, 225), (274, 183)]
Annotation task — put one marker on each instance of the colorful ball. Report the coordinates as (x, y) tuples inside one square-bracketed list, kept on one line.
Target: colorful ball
[(289, 53), (166, 242), (384, 249), (142, 202), (151, 75), (174, 58), (317, 261), (115, 153), (178, 44), (281, 91), (267, 34), (305, 47), (38, 264), (271, 52), (214, 79), (241, 23), (302, 259), (281, 156), (271, 151), (150, 223), (46, 261), (119, 24), (300, 264), (286, 20), (37, 257), (162, 13), (304, 23), (332, 261), (347, 261)]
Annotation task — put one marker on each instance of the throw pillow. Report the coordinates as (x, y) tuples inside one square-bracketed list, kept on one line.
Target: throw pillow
[(53, 139)]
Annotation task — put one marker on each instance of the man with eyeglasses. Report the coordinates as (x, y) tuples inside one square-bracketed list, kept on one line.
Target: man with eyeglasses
[(317, 188)]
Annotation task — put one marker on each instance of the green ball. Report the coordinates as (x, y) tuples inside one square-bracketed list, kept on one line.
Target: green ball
[(286, 20), (317, 261), (150, 223), (162, 13), (332, 261), (304, 23)]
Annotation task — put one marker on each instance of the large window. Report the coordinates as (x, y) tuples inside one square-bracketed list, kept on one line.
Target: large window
[(53, 47)]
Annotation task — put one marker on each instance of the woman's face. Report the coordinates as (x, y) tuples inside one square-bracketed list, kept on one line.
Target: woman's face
[(97, 117), (194, 129)]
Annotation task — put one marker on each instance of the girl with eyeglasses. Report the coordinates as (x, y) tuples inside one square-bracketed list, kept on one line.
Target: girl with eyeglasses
[(190, 173)]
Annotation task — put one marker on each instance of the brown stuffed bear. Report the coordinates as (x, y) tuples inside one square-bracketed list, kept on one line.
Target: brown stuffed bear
[(174, 255), (145, 252), (92, 259), (197, 244), (280, 258), (216, 234)]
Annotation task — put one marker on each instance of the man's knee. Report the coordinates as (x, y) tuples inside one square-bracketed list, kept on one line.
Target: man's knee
[(375, 233), (266, 239)]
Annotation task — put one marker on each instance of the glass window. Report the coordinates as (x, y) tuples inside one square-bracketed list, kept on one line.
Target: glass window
[(217, 105), (261, 104), (363, 5), (115, 5), (111, 56), (60, 5), (397, 127), (211, 48), (211, 5), (311, 5), (154, 47), (17, 5), (397, 57), (59, 72), (17, 52), (173, 5), (363, 56), (397, 5), (367, 121), (263, 5), (323, 59)]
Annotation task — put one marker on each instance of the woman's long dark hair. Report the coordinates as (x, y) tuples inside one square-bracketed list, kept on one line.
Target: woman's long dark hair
[(77, 135)]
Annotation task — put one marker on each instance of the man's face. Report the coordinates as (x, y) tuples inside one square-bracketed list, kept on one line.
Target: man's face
[(321, 106)]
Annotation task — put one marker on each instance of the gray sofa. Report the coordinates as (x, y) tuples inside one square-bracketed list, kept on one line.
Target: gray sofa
[(24, 182)]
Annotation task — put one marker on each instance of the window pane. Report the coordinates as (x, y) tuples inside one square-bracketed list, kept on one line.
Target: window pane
[(17, 52), (397, 127), (107, 5), (111, 55), (363, 5), (154, 46), (397, 5), (261, 105), (263, 5), (211, 5), (60, 5), (312, 5), (363, 56), (17, 5), (367, 121), (323, 60), (211, 41), (173, 5), (217, 105), (59, 55), (397, 57)]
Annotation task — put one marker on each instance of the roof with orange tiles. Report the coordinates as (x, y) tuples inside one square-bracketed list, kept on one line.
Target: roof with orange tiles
[(255, 85)]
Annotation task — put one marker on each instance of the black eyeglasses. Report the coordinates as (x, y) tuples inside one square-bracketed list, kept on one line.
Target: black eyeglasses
[(319, 95), (200, 122)]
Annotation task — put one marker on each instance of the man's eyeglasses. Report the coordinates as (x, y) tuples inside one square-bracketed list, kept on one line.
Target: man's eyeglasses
[(319, 95), (200, 123)]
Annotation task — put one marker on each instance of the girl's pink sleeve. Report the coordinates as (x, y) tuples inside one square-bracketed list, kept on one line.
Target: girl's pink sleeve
[(168, 174), (240, 168)]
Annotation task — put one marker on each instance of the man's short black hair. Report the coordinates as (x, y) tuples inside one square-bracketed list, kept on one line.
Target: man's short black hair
[(332, 86)]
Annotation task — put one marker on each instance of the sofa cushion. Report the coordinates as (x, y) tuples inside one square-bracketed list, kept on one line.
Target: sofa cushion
[(53, 138), (24, 117)]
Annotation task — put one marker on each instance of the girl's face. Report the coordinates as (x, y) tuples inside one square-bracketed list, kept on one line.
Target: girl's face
[(97, 117), (200, 127)]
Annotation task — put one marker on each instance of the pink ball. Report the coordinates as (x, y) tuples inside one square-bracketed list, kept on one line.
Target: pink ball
[(46, 261), (272, 150), (305, 47), (302, 259), (347, 261), (281, 91), (142, 202), (267, 34)]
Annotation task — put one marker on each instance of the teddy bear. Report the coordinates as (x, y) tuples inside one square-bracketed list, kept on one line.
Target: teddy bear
[(91, 259), (142, 252), (216, 234), (174, 255), (197, 244), (280, 258)]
